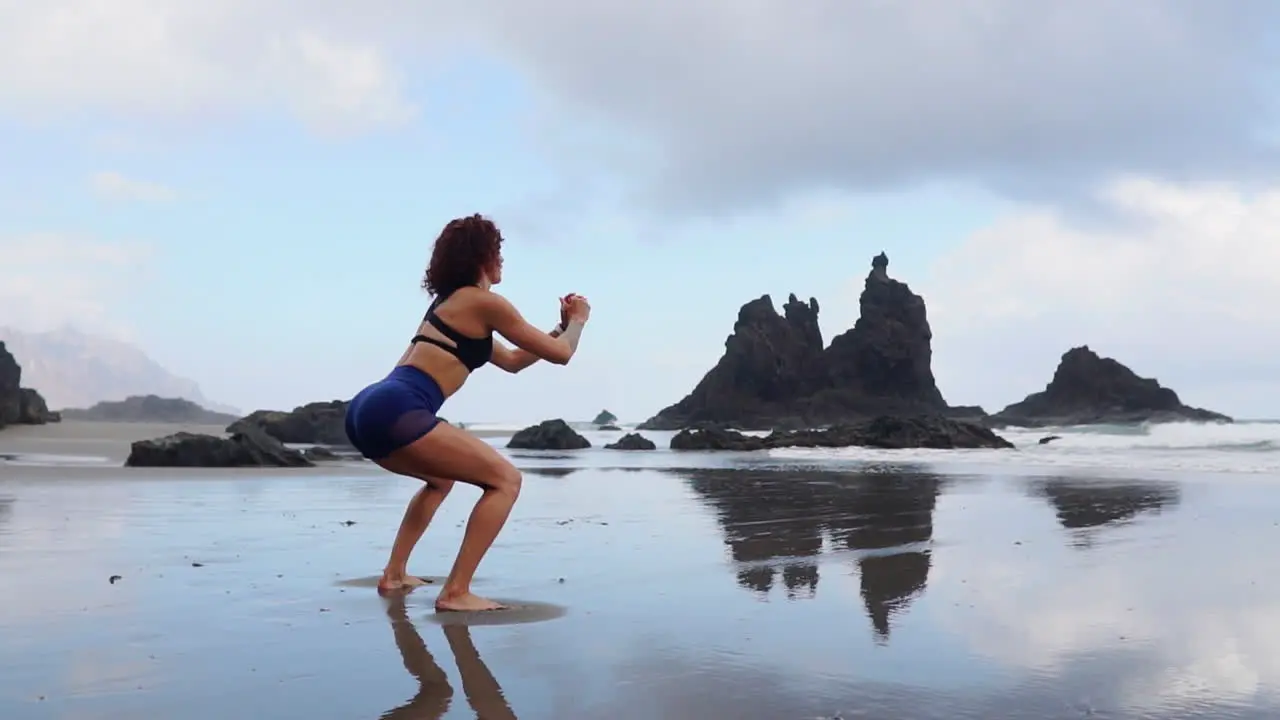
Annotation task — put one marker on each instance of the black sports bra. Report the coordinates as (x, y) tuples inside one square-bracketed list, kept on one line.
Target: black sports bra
[(473, 352)]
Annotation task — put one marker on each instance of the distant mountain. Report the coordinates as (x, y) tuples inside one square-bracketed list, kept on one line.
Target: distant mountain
[(149, 409), (73, 369)]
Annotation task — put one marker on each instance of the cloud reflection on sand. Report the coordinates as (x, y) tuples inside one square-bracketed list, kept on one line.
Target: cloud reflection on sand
[(757, 592)]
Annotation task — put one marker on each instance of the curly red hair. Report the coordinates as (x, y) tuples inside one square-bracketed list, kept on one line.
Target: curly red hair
[(465, 248)]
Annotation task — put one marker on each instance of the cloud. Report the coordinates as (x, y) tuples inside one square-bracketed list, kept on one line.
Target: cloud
[(114, 186), (191, 61), (737, 103), (752, 101), (49, 280), (1187, 278), (1205, 644)]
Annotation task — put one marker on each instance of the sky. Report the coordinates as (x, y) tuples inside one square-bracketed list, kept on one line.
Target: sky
[(249, 189)]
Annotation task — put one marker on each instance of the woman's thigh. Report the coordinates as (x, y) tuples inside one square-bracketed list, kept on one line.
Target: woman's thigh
[(454, 454)]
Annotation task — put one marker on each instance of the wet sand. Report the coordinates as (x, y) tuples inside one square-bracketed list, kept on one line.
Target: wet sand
[(88, 442), (94, 443), (705, 593)]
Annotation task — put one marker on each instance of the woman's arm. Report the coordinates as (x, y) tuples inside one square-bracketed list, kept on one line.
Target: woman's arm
[(503, 317), (513, 361)]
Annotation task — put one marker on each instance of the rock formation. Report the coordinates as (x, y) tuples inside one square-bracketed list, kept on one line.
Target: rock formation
[(251, 448), (632, 441), (149, 408), (775, 371), (319, 423), (1088, 389), (887, 432), (19, 405), (548, 435), (605, 418)]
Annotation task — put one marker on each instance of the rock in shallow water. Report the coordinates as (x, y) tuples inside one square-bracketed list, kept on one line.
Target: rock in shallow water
[(882, 432), (320, 423), (33, 410), (243, 449), (632, 441), (1089, 389), (548, 435), (19, 405)]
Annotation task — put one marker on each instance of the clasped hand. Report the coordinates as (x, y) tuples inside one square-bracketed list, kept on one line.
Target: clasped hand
[(574, 307)]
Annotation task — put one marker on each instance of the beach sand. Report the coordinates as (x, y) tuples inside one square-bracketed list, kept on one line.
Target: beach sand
[(89, 440), (747, 591), (102, 443)]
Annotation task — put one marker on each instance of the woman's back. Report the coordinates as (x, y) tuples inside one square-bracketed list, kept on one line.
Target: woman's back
[(453, 338)]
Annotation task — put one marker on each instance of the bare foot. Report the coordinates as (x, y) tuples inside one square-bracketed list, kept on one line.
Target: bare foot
[(398, 583), (465, 602)]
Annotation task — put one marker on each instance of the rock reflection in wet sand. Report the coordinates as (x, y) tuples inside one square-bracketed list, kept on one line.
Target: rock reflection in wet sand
[(972, 598), (776, 524)]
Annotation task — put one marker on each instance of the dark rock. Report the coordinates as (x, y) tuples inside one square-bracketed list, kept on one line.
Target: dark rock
[(149, 408), (1049, 438), (317, 423), (32, 409), (548, 435), (775, 372), (881, 432), (19, 405), (10, 388), (1088, 389), (610, 428), (251, 448), (632, 441), (714, 438), (320, 453), (770, 362), (605, 418), (549, 471), (965, 412)]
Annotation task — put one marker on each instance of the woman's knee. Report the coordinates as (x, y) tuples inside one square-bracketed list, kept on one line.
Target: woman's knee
[(507, 479), (440, 485)]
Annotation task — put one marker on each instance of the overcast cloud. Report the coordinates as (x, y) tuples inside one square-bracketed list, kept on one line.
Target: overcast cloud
[(743, 100), (751, 99)]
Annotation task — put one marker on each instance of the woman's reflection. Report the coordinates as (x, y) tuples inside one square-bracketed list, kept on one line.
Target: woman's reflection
[(435, 694)]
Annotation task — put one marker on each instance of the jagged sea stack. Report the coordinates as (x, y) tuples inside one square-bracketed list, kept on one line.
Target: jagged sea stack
[(775, 372)]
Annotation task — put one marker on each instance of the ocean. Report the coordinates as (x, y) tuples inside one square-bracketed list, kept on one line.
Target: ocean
[(1249, 447), (1119, 573)]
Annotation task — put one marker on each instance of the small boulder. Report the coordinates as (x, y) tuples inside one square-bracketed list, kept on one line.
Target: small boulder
[(320, 453), (888, 432), (605, 418), (610, 428), (318, 423), (548, 435), (243, 449), (1049, 438), (632, 441), (715, 438)]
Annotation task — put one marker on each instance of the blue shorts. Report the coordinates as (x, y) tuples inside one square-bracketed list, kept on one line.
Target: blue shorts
[(393, 412)]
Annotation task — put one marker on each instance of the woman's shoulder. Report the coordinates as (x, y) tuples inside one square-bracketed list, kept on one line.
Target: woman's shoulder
[(471, 293), (477, 298)]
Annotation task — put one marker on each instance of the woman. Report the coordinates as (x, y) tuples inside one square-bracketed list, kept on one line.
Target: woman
[(393, 421)]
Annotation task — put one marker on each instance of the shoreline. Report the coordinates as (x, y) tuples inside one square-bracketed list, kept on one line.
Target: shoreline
[(107, 444)]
